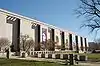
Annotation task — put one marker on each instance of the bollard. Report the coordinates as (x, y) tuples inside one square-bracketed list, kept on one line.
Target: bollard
[(39, 55), (53, 56), (71, 60), (76, 59), (61, 56), (49, 55), (46, 55), (66, 62), (65, 56), (35, 55)]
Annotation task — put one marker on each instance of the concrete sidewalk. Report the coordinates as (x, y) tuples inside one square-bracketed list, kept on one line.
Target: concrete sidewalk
[(37, 59), (89, 64)]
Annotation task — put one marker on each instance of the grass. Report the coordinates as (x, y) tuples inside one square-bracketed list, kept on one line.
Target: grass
[(16, 62), (94, 56)]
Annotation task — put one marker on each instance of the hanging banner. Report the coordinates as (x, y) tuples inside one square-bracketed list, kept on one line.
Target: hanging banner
[(44, 37), (73, 42), (66, 40)]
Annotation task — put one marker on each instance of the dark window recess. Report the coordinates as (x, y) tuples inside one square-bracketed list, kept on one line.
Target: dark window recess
[(70, 42), (37, 38), (16, 36), (15, 32), (81, 39), (38, 33), (52, 36), (85, 44), (77, 48), (0, 48), (62, 41)]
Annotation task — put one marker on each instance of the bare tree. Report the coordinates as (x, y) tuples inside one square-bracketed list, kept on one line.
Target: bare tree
[(93, 46), (48, 45), (26, 43), (97, 41), (4, 42), (57, 46), (29, 45), (90, 9)]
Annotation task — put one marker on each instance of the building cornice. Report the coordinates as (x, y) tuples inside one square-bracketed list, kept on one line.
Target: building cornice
[(35, 21)]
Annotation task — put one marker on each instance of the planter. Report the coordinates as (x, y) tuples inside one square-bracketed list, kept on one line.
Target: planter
[(82, 58), (49, 55), (65, 56), (42, 55), (35, 54), (24, 54), (39, 55), (76, 57), (53, 56), (57, 56)]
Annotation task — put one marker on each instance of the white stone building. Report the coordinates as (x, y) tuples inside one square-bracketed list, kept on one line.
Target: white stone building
[(12, 25)]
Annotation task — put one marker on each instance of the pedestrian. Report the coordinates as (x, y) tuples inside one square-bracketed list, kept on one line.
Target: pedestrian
[(7, 53)]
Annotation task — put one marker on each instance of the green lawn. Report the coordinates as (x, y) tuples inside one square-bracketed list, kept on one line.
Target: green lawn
[(94, 57), (15, 62)]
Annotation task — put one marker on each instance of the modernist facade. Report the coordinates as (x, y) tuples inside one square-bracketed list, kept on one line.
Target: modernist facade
[(12, 25)]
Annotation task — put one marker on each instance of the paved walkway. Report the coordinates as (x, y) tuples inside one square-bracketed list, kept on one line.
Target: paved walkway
[(38, 59), (90, 64)]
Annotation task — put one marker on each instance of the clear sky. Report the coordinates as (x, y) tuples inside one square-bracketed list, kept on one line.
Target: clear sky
[(56, 12)]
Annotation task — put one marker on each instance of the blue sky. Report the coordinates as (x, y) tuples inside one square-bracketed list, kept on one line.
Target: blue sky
[(56, 12)]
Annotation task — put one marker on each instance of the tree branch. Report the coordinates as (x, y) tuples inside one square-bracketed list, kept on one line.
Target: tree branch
[(90, 10)]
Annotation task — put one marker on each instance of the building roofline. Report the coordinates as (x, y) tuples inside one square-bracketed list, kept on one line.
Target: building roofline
[(34, 20)]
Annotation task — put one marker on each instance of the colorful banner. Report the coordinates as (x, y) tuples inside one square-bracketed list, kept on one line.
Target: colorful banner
[(44, 37), (73, 42), (44, 34)]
